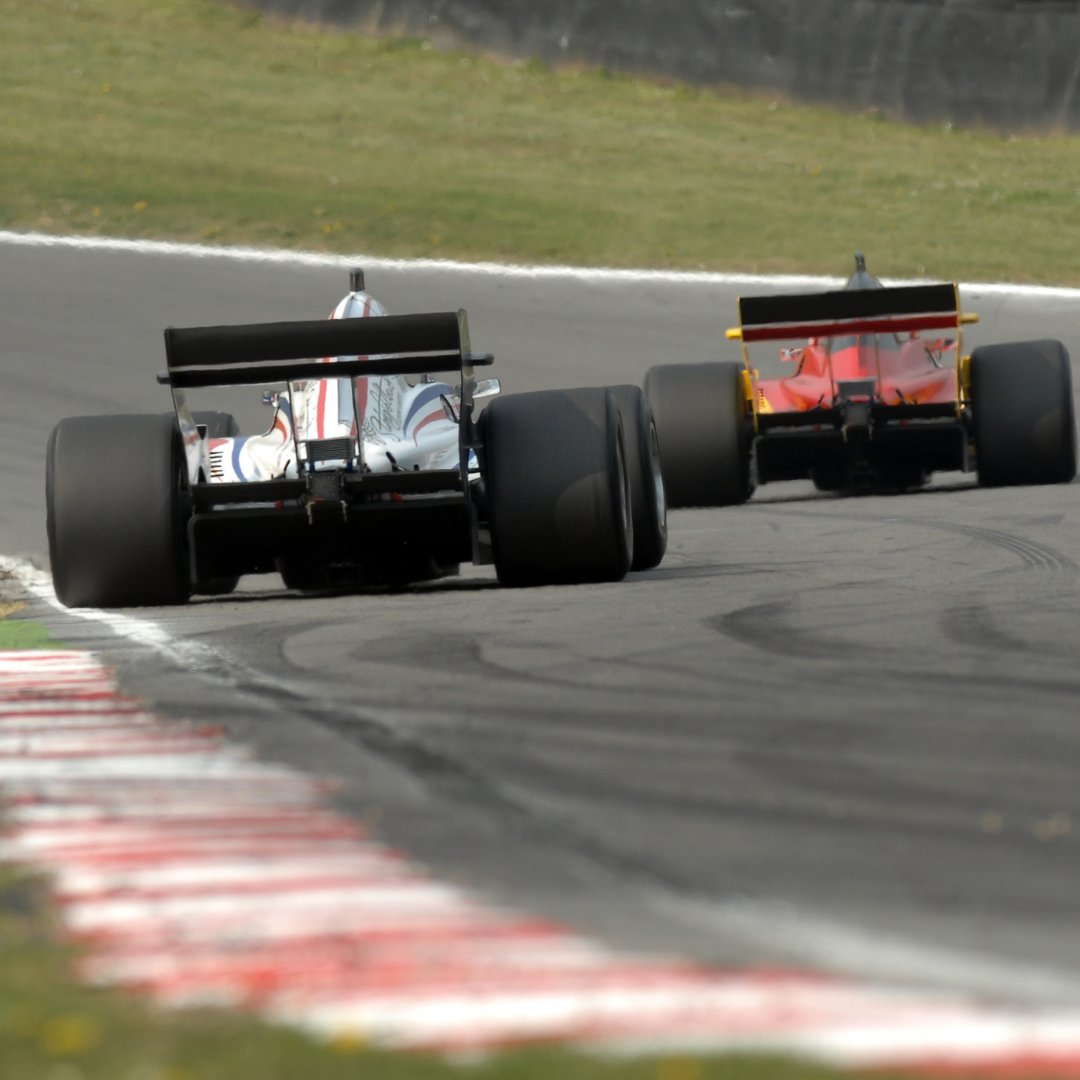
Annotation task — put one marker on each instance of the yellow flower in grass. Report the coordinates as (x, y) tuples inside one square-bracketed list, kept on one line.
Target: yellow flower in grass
[(67, 1036), (679, 1069), (349, 1042)]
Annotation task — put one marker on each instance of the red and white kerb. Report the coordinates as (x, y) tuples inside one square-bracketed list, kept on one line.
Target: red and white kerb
[(195, 874)]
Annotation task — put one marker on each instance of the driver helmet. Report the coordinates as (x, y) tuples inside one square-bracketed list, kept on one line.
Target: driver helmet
[(357, 303)]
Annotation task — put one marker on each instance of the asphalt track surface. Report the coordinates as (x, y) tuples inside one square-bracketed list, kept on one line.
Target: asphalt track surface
[(828, 732)]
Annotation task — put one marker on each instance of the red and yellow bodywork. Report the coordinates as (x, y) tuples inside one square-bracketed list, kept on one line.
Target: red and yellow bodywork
[(903, 372), (878, 395)]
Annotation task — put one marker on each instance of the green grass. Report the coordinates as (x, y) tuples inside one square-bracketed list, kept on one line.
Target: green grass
[(23, 633), (18, 633), (201, 121)]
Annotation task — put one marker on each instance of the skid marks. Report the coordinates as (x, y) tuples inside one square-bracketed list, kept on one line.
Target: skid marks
[(973, 624), (1031, 554), (771, 628)]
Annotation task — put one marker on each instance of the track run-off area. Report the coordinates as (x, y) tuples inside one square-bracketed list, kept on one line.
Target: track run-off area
[(810, 785)]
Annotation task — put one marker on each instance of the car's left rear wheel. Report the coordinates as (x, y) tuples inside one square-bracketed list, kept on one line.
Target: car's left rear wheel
[(705, 432), (116, 511)]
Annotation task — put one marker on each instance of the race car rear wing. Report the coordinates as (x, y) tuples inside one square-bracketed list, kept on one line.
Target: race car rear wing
[(287, 351), (895, 309)]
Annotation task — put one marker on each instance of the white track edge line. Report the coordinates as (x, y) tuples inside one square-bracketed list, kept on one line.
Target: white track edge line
[(483, 269), (38, 583)]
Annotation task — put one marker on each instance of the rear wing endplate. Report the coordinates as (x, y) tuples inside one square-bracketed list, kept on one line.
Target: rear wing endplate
[(286, 351), (895, 309)]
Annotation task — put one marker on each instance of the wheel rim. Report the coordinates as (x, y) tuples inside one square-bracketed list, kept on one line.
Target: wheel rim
[(623, 489), (657, 476)]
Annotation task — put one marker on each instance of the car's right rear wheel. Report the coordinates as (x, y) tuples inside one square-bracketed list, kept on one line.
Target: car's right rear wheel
[(1022, 404), (557, 488), (704, 432), (648, 501), (116, 511)]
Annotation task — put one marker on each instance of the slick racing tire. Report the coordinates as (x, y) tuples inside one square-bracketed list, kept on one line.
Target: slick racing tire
[(648, 503), (116, 511), (557, 487), (219, 425), (1022, 405), (704, 432)]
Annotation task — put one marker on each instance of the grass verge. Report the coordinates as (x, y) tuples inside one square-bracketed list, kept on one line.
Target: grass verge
[(204, 121), (21, 633)]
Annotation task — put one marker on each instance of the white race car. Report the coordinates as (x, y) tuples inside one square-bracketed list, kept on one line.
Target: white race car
[(378, 475)]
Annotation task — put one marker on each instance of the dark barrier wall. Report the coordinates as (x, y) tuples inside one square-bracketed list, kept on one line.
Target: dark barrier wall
[(1003, 63)]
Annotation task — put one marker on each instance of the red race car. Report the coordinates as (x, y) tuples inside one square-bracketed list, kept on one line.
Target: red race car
[(871, 403)]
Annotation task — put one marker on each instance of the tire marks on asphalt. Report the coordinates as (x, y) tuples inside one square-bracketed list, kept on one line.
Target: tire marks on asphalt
[(769, 627), (1032, 555)]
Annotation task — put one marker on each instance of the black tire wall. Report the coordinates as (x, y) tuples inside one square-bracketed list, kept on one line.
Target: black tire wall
[(1003, 63), (1025, 424), (557, 487), (116, 511)]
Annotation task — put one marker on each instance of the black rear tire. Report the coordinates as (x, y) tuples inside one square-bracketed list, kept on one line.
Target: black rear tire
[(117, 511), (648, 502), (1022, 404), (557, 487), (704, 432)]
